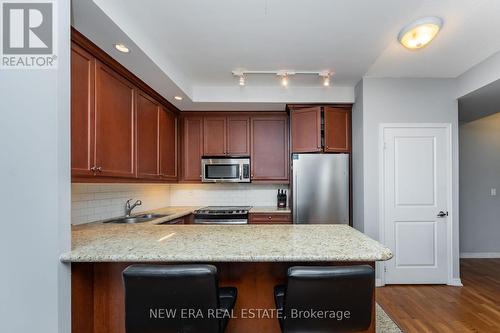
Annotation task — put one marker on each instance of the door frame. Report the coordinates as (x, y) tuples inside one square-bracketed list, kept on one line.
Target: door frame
[(451, 208)]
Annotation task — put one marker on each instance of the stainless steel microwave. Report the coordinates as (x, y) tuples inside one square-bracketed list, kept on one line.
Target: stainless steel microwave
[(225, 169)]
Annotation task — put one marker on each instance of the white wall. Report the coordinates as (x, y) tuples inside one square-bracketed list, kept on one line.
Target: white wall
[(400, 101), (479, 172), (35, 193)]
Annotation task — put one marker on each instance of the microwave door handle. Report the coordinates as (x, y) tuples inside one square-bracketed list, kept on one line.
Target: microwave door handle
[(241, 171)]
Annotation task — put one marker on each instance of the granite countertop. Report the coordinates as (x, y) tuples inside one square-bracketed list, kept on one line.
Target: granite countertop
[(269, 209), (150, 242)]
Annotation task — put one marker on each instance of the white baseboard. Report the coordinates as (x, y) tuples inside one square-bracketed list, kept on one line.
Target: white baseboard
[(478, 255), (378, 283), (456, 283)]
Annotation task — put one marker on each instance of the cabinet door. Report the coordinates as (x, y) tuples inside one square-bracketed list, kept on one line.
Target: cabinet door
[(168, 145), (238, 136), (82, 111), (147, 156), (337, 130), (114, 124), (214, 136), (192, 148), (269, 148), (306, 130)]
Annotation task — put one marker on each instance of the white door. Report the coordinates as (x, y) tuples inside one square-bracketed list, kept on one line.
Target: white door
[(417, 187)]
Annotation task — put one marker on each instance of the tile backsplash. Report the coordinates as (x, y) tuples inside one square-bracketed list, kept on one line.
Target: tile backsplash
[(93, 202), (224, 194)]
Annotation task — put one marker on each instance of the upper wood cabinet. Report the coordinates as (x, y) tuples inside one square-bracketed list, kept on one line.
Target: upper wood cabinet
[(115, 119), (82, 112), (306, 130), (192, 148), (214, 136), (238, 135), (337, 130), (168, 145), (148, 147), (320, 129), (226, 135), (269, 148)]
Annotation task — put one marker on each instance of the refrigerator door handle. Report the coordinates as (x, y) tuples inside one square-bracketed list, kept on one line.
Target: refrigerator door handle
[(295, 194)]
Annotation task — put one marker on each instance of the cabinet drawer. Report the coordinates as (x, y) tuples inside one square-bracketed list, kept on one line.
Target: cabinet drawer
[(271, 218)]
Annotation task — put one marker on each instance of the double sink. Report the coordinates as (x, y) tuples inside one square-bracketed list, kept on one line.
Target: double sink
[(137, 218)]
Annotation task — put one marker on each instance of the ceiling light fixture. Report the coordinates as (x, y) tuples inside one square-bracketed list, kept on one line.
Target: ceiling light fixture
[(420, 33), (122, 48), (241, 80), (284, 79), (179, 98), (284, 75), (326, 78)]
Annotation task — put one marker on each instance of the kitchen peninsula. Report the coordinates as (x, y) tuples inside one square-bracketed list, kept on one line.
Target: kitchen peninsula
[(253, 258)]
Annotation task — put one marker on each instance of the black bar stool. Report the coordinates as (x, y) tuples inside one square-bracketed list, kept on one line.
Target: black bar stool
[(177, 298), (326, 299)]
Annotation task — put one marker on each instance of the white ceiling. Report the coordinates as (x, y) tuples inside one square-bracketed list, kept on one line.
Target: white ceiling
[(191, 46)]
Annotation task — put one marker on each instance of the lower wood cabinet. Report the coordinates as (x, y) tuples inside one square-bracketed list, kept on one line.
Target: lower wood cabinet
[(270, 218)]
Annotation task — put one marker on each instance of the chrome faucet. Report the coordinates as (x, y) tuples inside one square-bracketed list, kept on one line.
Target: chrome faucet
[(129, 208)]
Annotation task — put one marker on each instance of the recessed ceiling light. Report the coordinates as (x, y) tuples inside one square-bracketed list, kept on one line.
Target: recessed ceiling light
[(179, 98), (122, 48), (420, 33)]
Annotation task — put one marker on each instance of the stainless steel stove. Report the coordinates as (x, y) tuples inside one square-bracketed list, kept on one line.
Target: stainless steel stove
[(222, 215)]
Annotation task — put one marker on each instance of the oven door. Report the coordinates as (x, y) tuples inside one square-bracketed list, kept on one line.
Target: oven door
[(222, 170)]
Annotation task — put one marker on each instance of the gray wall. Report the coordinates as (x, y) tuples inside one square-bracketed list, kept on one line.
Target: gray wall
[(35, 193), (479, 172), (403, 101), (357, 160)]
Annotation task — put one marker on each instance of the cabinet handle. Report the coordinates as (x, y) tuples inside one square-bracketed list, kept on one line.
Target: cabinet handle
[(99, 169), (269, 217), (93, 169)]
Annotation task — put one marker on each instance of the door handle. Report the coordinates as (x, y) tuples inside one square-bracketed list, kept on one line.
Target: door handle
[(442, 214)]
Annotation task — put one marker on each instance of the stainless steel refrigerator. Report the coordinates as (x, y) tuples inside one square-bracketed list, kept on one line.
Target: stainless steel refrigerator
[(320, 188)]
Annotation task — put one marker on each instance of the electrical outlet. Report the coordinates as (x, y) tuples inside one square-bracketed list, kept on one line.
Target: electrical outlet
[(493, 192)]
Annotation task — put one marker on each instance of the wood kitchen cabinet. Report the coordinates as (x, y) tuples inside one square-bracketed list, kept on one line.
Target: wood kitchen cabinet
[(192, 148), (337, 130), (168, 145), (320, 129), (214, 136), (226, 136), (147, 158), (114, 122), (269, 218), (82, 111), (306, 130), (238, 135), (269, 148)]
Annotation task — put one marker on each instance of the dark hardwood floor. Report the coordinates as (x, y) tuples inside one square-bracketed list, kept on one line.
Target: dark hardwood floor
[(475, 307)]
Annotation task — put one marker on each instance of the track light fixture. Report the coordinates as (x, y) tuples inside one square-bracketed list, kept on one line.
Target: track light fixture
[(284, 75), (326, 78)]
